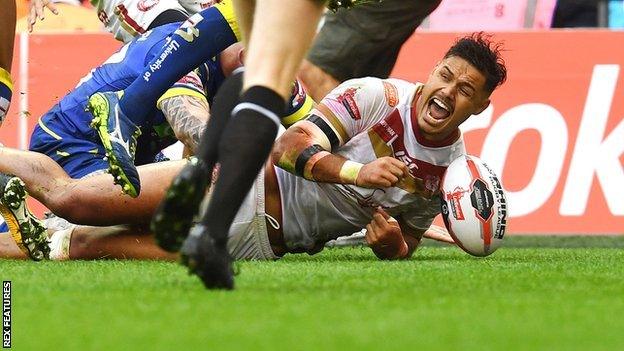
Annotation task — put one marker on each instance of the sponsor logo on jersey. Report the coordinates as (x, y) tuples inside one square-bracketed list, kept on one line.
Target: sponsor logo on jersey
[(347, 99), (391, 93), (387, 138), (402, 156), (453, 199), (389, 130), (171, 47), (424, 176), (146, 5)]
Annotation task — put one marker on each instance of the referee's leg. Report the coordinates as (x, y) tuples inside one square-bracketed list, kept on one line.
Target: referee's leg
[(276, 44)]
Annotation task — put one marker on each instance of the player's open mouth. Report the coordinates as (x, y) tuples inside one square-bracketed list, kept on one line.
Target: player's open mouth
[(438, 109), (437, 112)]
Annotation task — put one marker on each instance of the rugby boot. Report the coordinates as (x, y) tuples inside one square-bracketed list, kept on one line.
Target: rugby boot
[(173, 217), (119, 138), (208, 258), (29, 233)]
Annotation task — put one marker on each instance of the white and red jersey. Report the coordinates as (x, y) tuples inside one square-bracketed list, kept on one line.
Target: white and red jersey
[(126, 19), (372, 118)]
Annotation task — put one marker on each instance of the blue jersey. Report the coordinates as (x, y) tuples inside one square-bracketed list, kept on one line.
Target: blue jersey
[(117, 72), (64, 132)]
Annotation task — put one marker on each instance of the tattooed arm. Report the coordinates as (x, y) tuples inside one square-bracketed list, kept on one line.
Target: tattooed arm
[(187, 116)]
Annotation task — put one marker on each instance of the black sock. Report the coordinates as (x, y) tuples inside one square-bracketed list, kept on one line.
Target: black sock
[(243, 150), (220, 113)]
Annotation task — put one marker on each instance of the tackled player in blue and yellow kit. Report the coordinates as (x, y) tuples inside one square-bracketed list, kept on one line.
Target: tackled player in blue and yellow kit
[(65, 132)]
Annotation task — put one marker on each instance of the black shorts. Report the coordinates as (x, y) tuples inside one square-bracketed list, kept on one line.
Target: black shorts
[(366, 40)]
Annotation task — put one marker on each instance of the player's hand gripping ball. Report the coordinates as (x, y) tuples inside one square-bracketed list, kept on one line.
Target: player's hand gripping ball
[(474, 206)]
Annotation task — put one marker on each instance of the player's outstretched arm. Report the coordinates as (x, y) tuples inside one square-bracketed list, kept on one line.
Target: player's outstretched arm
[(391, 238), (304, 150), (301, 147), (440, 234), (37, 10), (187, 116), (385, 236)]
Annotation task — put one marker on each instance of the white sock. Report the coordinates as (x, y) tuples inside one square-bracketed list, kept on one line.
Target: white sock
[(59, 244)]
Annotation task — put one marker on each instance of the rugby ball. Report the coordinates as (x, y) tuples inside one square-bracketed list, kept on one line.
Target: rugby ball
[(474, 206)]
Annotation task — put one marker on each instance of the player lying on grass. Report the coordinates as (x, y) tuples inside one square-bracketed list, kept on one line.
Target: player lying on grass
[(94, 201), (370, 143), (124, 242), (390, 143), (64, 133), (245, 115)]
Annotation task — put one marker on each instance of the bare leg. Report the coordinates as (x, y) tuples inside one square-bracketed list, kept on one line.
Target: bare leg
[(273, 57), (91, 243), (119, 242), (9, 249), (40, 173), (244, 10), (318, 83), (276, 44), (93, 200)]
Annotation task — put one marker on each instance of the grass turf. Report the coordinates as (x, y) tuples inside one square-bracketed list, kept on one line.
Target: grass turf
[(343, 298)]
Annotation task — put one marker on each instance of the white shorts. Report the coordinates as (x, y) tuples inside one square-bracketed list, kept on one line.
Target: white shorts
[(248, 238)]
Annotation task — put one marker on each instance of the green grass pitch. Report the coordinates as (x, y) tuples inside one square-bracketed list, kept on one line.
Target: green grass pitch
[(520, 298)]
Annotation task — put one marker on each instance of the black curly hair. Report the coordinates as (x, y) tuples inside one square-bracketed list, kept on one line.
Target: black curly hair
[(484, 54)]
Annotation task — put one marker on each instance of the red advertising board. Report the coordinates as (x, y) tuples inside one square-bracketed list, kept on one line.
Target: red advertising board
[(50, 65), (54, 65), (554, 131)]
